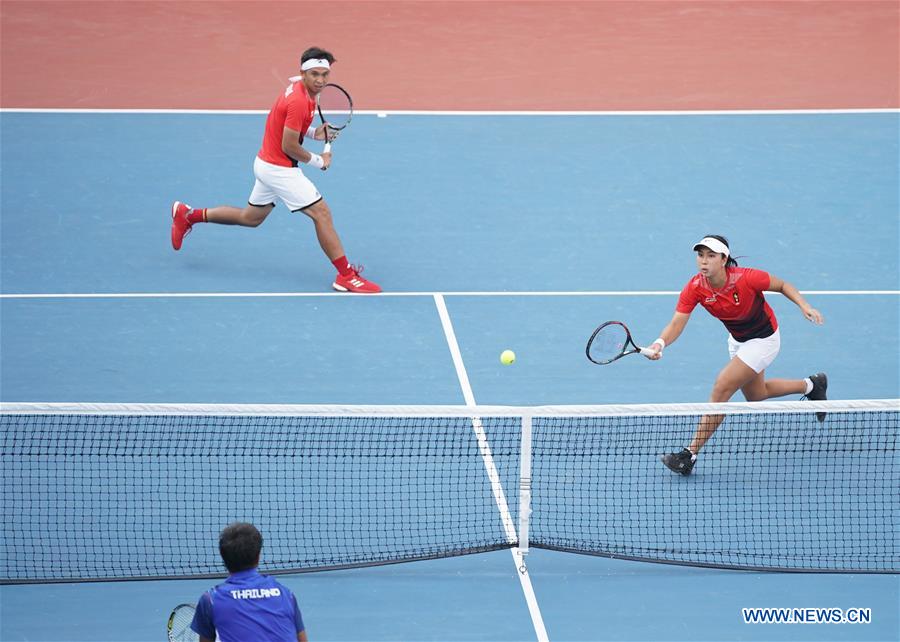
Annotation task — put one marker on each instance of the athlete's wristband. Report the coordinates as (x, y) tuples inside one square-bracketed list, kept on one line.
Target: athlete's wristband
[(311, 132), (316, 161), (660, 341)]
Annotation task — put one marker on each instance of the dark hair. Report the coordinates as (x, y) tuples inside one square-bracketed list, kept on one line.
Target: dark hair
[(239, 545), (317, 52), (731, 262)]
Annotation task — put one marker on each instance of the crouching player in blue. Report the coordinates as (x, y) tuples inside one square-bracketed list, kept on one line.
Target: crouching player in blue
[(248, 605)]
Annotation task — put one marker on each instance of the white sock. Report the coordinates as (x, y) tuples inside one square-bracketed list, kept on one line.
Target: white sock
[(809, 385)]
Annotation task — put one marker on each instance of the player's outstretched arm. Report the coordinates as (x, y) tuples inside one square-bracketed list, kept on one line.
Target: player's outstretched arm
[(668, 335), (793, 294)]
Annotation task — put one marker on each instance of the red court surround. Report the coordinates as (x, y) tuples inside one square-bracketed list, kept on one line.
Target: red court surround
[(601, 55)]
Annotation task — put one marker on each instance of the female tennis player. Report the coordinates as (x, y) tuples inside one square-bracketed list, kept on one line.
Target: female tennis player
[(734, 295)]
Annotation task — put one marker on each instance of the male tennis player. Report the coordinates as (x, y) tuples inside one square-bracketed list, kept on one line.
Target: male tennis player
[(247, 606), (734, 295), (278, 174)]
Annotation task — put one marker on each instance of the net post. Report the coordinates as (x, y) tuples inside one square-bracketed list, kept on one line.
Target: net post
[(524, 489)]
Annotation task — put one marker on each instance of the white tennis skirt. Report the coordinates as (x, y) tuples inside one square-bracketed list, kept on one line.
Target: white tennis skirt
[(756, 353)]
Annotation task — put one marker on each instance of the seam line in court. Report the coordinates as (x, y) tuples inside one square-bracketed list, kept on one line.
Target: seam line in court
[(499, 496), (239, 295), (412, 112)]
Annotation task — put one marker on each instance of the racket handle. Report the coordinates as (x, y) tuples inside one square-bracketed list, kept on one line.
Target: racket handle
[(647, 352), (327, 148)]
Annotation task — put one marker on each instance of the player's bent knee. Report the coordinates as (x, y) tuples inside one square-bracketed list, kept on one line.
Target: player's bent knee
[(755, 390), (754, 395), (723, 390), (720, 395), (319, 212), (254, 216)]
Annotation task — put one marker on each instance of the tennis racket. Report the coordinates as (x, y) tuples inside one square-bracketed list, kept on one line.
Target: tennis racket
[(612, 341), (179, 627), (335, 109)]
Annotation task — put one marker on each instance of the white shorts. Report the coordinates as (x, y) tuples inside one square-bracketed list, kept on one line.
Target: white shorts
[(756, 353), (285, 183)]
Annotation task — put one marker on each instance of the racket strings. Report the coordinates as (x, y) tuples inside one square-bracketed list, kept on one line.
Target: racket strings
[(608, 343), (179, 629), (335, 107)]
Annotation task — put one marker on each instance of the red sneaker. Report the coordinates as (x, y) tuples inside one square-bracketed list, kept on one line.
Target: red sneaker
[(353, 282), (181, 227)]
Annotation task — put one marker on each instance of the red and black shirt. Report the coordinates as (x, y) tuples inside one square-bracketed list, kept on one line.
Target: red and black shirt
[(294, 109), (739, 304)]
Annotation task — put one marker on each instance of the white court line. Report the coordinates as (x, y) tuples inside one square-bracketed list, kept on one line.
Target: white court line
[(499, 496), (439, 112), (240, 295)]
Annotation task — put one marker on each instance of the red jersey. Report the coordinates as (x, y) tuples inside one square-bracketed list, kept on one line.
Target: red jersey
[(295, 110), (739, 304)]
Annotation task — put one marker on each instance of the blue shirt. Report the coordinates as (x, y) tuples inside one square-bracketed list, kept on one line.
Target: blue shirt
[(248, 606)]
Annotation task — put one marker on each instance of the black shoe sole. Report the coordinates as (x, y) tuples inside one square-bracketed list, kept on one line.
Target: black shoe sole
[(822, 378), (675, 469)]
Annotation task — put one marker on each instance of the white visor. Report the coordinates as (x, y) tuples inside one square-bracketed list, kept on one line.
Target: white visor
[(315, 62), (714, 244)]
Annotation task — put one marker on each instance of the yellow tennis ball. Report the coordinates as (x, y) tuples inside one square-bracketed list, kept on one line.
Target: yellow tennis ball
[(507, 357)]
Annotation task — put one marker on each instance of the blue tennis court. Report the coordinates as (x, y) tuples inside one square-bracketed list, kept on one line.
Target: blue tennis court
[(525, 255)]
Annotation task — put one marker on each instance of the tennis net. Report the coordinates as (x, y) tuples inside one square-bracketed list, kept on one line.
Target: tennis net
[(113, 491)]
